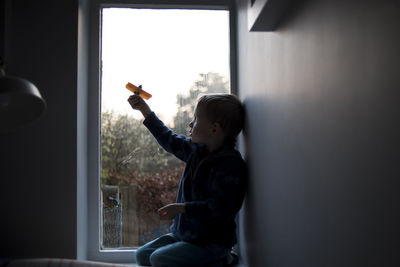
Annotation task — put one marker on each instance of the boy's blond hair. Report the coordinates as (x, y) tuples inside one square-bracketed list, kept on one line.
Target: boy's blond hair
[(225, 109)]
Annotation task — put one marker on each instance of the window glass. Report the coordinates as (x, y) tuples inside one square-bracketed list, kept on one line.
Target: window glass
[(175, 54)]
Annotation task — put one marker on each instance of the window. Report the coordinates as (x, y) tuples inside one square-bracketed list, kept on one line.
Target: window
[(176, 53)]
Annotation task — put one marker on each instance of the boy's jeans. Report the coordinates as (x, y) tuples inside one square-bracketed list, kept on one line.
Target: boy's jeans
[(168, 251)]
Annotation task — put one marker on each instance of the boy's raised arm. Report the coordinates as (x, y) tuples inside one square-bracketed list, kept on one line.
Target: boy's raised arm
[(178, 145)]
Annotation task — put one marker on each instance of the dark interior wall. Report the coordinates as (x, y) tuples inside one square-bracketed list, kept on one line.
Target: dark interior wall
[(323, 102), (38, 163)]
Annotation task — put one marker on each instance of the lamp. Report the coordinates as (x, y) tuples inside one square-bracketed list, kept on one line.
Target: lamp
[(20, 102)]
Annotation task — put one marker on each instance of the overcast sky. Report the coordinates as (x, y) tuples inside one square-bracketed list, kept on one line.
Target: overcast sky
[(164, 50)]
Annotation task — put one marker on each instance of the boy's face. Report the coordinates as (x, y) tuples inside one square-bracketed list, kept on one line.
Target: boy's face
[(200, 128)]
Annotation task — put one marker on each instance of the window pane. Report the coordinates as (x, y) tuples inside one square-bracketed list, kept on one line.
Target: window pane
[(176, 55)]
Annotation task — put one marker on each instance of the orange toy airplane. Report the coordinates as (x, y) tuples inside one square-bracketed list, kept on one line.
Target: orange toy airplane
[(137, 90)]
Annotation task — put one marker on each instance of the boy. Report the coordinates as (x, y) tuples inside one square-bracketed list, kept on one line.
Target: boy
[(212, 187)]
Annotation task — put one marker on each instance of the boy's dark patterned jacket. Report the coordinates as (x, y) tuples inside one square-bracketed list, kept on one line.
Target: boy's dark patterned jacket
[(212, 187)]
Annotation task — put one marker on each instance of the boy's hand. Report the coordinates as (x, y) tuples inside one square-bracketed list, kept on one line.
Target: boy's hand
[(138, 103), (170, 211)]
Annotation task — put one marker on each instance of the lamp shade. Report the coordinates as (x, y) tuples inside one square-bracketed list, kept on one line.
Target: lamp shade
[(20, 103)]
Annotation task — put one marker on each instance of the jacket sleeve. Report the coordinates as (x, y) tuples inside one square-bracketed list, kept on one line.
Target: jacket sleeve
[(178, 145), (227, 190)]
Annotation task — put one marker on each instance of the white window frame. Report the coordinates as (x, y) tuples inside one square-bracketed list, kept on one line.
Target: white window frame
[(89, 214)]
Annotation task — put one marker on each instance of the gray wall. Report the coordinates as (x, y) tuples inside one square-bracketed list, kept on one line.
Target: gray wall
[(323, 101), (38, 164)]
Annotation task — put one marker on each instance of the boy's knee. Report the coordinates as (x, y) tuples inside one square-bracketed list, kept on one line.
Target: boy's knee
[(142, 257), (158, 258)]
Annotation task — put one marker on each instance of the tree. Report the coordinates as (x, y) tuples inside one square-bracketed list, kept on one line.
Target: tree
[(128, 148), (210, 82)]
